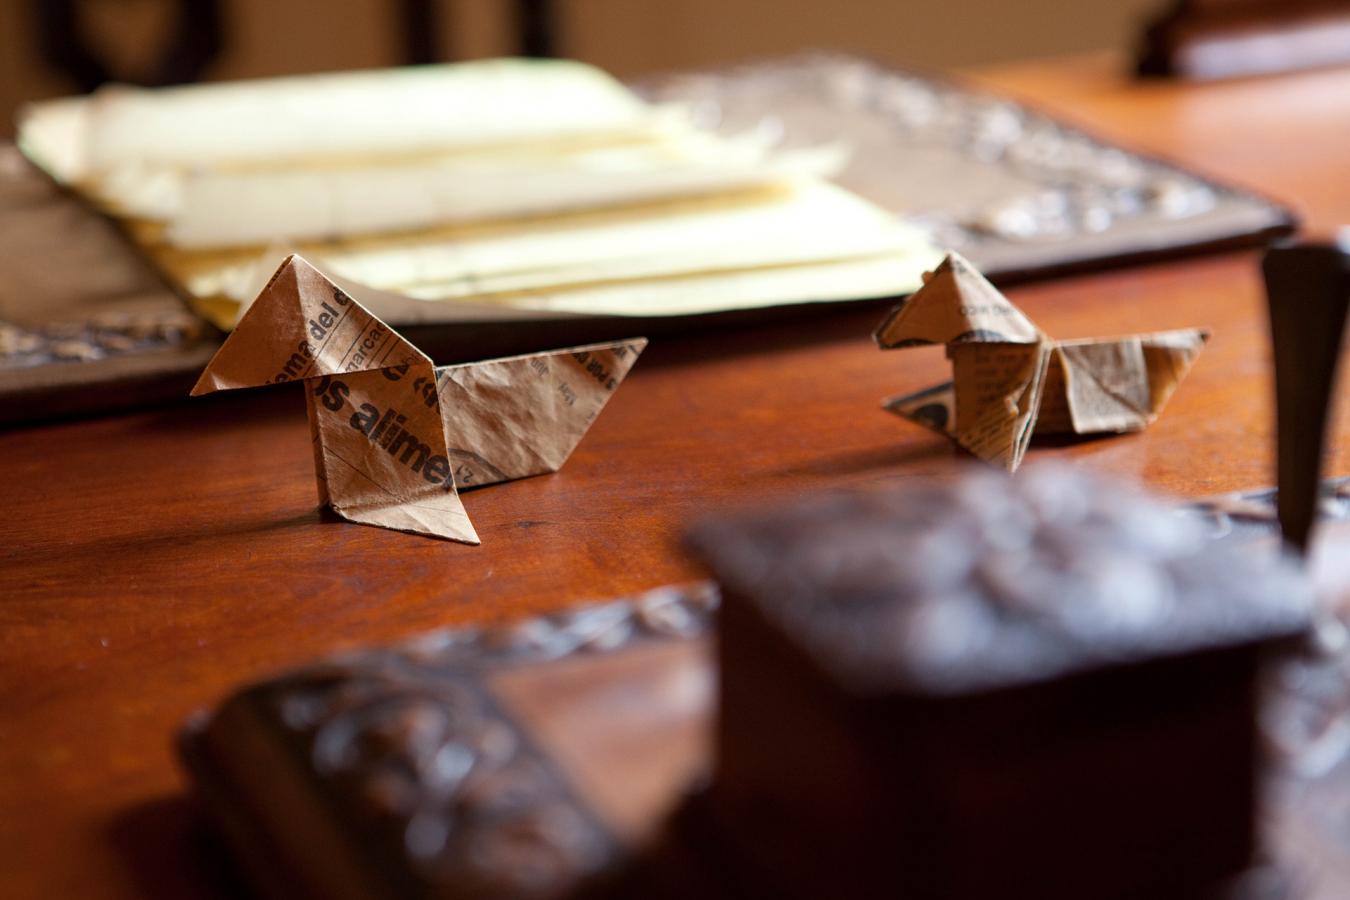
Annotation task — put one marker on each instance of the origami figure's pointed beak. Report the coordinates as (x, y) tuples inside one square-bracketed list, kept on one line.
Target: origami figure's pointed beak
[(268, 345), (203, 386)]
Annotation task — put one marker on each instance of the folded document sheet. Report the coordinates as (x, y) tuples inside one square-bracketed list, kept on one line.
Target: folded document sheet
[(505, 189)]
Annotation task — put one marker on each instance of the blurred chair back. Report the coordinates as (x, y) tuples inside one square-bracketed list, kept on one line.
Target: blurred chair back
[(72, 36), (1208, 39)]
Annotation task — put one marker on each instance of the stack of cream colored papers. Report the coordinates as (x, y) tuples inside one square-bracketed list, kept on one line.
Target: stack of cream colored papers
[(500, 190)]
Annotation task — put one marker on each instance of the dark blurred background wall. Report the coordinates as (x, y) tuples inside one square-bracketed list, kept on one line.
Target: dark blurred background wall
[(129, 38)]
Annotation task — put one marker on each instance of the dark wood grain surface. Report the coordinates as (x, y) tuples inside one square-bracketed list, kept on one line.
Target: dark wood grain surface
[(151, 562)]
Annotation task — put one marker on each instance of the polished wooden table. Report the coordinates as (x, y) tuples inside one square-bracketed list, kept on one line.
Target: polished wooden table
[(149, 563)]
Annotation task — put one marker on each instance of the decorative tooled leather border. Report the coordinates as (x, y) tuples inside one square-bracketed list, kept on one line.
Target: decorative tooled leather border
[(1079, 187), (105, 335)]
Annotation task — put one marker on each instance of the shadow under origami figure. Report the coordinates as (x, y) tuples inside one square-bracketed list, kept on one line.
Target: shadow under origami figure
[(394, 435), (1009, 379)]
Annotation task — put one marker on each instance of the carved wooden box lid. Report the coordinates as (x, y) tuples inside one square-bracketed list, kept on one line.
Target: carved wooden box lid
[(992, 582)]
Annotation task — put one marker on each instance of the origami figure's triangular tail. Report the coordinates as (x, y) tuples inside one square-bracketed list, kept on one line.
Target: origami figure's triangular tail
[(1168, 357), (524, 415), (301, 326), (1116, 384)]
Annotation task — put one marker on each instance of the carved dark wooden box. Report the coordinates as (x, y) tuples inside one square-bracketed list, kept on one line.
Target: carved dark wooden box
[(574, 756), (1044, 682)]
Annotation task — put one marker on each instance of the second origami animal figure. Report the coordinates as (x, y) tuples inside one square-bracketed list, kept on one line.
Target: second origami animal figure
[(1010, 380), (394, 435)]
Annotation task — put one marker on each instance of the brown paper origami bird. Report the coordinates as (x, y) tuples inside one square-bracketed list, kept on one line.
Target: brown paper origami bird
[(395, 436), (1010, 380)]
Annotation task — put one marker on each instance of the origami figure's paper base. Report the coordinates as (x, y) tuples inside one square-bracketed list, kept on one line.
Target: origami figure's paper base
[(394, 436), (442, 517)]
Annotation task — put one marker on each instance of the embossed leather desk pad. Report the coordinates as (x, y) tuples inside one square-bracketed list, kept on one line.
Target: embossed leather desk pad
[(1017, 192)]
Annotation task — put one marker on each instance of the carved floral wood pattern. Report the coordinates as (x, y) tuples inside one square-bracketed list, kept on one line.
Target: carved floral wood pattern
[(415, 753)]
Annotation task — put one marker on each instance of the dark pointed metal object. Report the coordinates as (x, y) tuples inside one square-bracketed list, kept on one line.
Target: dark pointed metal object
[(1308, 293)]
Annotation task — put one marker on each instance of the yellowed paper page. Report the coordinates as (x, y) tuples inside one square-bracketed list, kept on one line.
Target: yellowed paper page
[(810, 242), (348, 115), (498, 190), (250, 208)]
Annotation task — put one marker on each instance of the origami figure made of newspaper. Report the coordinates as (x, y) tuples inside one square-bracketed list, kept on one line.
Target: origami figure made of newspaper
[(396, 437), (1009, 380)]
